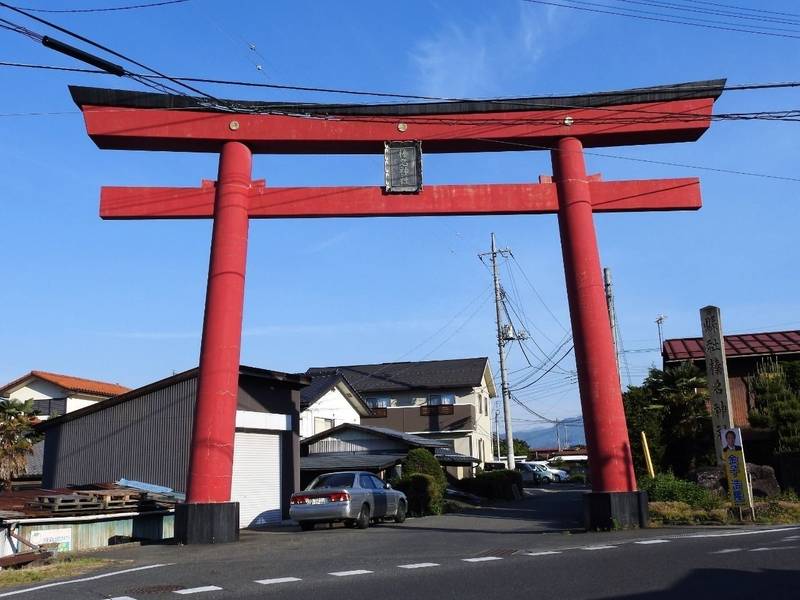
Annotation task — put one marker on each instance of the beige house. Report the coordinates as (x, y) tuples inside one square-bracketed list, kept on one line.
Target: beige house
[(445, 400), (54, 394)]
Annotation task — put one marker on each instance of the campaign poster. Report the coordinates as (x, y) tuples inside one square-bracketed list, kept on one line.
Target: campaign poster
[(735, 467)]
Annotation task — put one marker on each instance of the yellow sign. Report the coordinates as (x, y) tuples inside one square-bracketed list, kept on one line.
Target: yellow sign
[(735, 467)]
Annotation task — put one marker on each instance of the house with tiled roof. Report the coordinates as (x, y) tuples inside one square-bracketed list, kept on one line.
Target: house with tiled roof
[(743, 352), (328, 402), (444, 400), (54, 394)]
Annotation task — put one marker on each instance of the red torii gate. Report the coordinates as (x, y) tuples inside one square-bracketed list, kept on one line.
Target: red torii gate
[(117, 119)]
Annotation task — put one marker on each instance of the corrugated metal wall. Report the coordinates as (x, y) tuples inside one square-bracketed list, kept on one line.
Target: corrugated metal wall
[(146, 439)]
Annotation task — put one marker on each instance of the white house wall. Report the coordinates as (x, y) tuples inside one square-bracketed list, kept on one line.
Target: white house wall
[(37, 389), (332, 406)]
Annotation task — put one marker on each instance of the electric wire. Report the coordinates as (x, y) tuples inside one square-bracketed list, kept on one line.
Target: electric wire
[(665, 19), (100, 10)]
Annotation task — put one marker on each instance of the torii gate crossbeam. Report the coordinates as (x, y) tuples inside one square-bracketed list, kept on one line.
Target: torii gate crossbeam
[(142, 121)]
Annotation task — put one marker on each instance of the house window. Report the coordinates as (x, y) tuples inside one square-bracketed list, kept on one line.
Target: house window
[(441, 399), (378, 402)]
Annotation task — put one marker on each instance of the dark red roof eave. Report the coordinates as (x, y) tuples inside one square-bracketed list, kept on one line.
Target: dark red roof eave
[(736, 346)]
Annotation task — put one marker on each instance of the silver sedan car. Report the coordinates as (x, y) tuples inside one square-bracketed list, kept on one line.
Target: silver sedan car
[(354, 497)]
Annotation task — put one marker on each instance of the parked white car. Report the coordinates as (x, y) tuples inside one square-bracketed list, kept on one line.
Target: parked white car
[(558, 474)]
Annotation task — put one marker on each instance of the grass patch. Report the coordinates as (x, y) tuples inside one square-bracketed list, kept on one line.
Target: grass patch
[(771, 512), (63, 565)]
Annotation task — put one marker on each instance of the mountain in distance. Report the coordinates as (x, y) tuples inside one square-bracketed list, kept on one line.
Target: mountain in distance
[(546, 437)]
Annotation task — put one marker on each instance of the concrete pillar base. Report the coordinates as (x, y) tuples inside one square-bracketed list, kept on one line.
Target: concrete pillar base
[(216, 523), (604, 511)]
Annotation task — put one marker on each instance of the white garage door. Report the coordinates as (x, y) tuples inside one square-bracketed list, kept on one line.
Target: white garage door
[(257, 478)]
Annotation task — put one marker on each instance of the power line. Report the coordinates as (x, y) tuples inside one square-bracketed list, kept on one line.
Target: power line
[(757, 10), (97, 10), (86, 40), (709, 11), (664, 19), (553, 366), (351, 92), (647, 160)]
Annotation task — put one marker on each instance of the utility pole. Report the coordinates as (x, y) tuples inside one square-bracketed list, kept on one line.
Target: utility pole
[(501, 341), (497, 433), (612, 317), (660, 323)]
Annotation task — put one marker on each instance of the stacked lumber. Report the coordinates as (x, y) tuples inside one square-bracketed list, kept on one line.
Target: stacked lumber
[(83, 502)]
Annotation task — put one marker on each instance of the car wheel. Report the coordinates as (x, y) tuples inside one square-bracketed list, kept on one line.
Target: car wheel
[(400, 515), (306, 525), (363, 517)]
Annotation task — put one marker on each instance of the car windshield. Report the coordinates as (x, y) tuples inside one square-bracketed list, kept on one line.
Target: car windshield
[(333, 480)]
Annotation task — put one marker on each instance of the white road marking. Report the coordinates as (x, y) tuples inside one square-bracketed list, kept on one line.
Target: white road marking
[(791, 538), (597, 547), (644, 542), (82, 579), (735, 533), (727, 551), (278, 580), (481, 559), (199, 590), (348, 573), (764, 549), (418, 566), (544, 553), (122, 598)]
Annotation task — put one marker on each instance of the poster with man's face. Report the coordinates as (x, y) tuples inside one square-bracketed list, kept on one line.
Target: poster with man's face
[(731, 440)]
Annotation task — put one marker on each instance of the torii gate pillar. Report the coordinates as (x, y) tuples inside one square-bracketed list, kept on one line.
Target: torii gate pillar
[(208, 515), (601, 396)]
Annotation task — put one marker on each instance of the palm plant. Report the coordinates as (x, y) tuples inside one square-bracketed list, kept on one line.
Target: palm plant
[(17, 438)]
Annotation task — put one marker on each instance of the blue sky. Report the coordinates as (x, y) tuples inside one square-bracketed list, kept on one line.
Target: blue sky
[(123, 301)]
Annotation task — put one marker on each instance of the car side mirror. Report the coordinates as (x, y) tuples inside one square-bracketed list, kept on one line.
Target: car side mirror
[(387, 486)]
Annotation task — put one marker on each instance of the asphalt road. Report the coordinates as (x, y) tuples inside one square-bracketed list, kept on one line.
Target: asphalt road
[(503, 551)]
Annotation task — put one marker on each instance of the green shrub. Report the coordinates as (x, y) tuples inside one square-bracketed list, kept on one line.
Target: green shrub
[(666, 487), (420, 460), (494, 485), (423, 492)]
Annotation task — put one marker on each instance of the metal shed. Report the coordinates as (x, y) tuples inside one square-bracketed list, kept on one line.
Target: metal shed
[(145, 435)]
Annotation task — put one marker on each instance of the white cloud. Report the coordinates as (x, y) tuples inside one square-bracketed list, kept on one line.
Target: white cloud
[(482, 59)]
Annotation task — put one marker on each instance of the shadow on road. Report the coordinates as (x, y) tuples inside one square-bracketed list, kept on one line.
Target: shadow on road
[(730, 584)]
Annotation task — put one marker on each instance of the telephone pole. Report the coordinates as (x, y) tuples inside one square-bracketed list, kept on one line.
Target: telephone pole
[(497, 433), (501, 342), (612, 317)]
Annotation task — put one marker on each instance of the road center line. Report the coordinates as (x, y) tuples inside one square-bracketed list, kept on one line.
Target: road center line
[(644, 542), (735, 533), (199, 590), (766, 548), (122, 598), (418, 566), (82, 579), (349, 573), (597, 547), (277, 580), (544, 553), (481, 559), (727, 551)]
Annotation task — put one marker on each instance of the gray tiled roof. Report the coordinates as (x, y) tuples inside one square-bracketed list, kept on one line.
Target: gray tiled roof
[(432, 374), (414, 441), (349, 462)]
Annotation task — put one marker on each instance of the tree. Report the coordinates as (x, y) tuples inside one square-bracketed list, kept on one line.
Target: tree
[(521, 448), (17, 438), (670, 406), (777, 405), (420, 460)]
